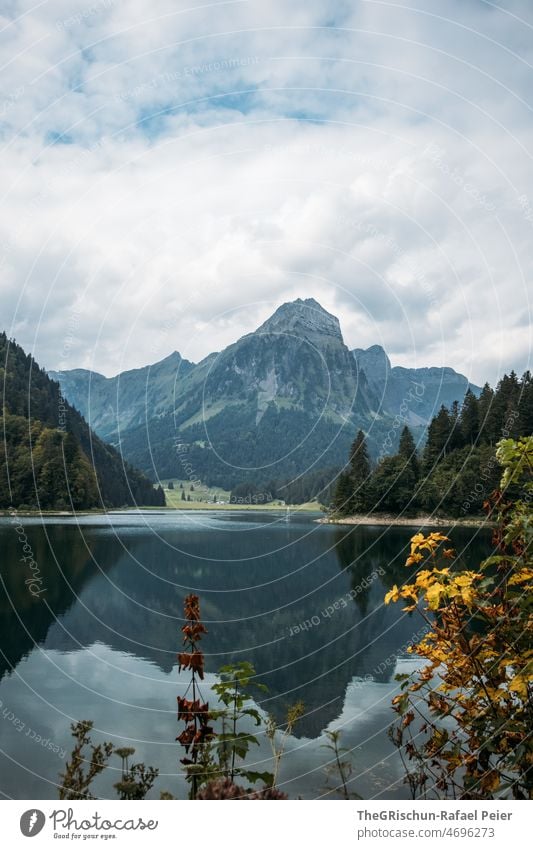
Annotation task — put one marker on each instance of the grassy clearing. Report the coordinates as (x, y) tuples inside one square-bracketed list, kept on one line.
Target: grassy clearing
[(203, 505), (199, 495), (215, 498)]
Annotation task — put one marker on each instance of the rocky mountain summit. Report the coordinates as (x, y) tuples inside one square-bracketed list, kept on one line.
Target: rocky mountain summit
[(302, 318), (282, 399)]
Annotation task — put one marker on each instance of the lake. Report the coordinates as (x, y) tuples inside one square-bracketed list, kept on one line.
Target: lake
[(300, 600)]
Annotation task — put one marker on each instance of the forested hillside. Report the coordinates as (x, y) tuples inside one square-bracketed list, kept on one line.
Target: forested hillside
[(457, 469), (316, 485), (51, 457)]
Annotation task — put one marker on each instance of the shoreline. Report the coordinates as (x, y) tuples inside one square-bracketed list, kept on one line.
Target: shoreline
[(307, 508), (407, 521), (190, 506)]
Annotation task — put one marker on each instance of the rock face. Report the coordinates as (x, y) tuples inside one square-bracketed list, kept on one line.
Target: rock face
[(375, 363), (305, 319), (415, 393), (297, 359), (279, 401)]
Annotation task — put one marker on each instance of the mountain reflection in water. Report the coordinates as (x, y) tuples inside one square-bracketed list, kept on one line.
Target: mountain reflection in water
[(302, 601)]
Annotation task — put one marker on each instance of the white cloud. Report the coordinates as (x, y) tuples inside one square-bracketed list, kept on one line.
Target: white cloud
[(378, 162)]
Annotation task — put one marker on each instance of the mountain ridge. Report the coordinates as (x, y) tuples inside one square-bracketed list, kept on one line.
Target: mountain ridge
[(422, 390), (289, 394)]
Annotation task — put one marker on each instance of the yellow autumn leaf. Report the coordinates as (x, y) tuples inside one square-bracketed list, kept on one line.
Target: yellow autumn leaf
[(409, 591), (462, 586), (436, 537), (422, 579), (435, 654), (490, 781), (495, 693), (464, 580), (433, 594), (519, 685), (414, 558), (392, 595), (521, 576), (417, 539), (468, 595)]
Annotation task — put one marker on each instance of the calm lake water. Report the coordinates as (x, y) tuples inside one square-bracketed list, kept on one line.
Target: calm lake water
[(301, 601)]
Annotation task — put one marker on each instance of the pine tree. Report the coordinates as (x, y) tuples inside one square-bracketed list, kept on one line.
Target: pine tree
[(341, 501), (359, 474), (469, 418), (438, 437), (393, 486), (456, 439), (525, 405), (504, 406), (407, 451), (485, 402)]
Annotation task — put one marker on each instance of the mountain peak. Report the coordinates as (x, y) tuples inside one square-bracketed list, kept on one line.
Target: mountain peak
[(303, 318), (375, 355), (375, 364)]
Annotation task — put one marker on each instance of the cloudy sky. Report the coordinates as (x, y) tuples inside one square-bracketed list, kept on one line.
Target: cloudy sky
[(172, 171)]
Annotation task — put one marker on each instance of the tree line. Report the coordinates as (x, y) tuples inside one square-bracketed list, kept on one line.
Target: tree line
[(455, 471), (316, 484)]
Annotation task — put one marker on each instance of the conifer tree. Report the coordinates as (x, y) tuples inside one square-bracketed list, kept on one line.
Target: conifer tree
[(525, 404), (485, 402), (341, 501), (469, 419), (437, 444), (407, 451), (359, 474), (456, 439)]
